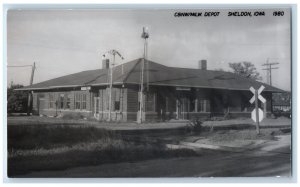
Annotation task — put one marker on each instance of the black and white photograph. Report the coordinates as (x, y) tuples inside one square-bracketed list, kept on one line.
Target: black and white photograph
[(149, 92)]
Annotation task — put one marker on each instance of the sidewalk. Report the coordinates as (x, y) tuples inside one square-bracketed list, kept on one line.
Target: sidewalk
[(172, 124), (281, 145), (281, 122), (36, 120)]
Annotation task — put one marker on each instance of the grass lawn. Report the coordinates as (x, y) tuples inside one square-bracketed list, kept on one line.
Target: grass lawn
[(56, 147), (41, 147), (245, 134)]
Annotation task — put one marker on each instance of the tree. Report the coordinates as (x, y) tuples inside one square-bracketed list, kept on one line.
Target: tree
[(16, 100), (245, 69)]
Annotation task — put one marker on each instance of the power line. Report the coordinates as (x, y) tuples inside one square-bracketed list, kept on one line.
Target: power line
[(20, 66), (269, 69)]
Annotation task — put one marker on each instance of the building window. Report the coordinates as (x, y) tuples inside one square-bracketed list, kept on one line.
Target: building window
[(150, 102), (80, 101), (207, 105), (203, 105), (117, 105), (61, 101), (68, 104), (192, 105), (117, 98), (107, 99), (83, 101), (167, 104), (51, 100), (97, 100), (77, 101)]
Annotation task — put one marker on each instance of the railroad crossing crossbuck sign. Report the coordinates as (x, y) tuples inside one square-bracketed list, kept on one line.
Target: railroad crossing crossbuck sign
[(257, 114)]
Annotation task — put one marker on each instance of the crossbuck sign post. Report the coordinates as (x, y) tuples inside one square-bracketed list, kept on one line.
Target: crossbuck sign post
[(257, 114)]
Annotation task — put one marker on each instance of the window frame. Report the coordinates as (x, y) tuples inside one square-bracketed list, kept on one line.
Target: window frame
[(77, 101), (203, 105), (80, 101), (116, 94), (83, 101), (119, 105), (61, 100), (150, 98), (68, 101)]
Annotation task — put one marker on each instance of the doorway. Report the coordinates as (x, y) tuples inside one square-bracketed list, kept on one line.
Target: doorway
[(41, 105), (182, 105), (96, 107)]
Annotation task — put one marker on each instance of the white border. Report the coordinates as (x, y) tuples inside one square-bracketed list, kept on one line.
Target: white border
[(178, 180)]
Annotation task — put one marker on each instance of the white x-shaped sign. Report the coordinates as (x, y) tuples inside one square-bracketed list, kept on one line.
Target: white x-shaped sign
[(258, 92)]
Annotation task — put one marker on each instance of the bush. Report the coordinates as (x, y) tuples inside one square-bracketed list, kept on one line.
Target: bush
[(194, 126), (197, 125)]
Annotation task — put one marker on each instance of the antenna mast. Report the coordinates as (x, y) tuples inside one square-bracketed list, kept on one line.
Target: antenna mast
[(145, 36)]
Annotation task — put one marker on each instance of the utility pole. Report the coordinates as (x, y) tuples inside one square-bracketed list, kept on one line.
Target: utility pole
[(269, 70), (145, 36), (30, 94), (256, 112), (113, 53)]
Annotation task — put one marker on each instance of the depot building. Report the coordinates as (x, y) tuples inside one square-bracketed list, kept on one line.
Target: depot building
[(169, 93)]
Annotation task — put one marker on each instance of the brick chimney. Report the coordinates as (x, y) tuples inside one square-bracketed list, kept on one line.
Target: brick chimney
[(105, 64), (203, 64)]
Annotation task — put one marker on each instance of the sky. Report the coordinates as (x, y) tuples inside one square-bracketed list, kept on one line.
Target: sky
[(62, 42)]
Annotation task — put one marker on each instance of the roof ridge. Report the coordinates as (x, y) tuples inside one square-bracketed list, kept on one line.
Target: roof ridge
[(130, 71)]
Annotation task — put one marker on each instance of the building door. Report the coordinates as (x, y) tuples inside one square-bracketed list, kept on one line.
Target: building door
[(41, 105), (96, 107), (182, 108), (161, 106)]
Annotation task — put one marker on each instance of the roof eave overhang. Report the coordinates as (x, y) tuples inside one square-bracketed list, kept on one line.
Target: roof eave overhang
[(135, 83), (195, 86), (48, 88), (65, 86)]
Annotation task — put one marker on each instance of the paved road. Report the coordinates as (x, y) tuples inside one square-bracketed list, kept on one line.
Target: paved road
[(271, 159)]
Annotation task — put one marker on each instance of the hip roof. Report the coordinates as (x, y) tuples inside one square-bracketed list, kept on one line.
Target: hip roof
[(156, 74)]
